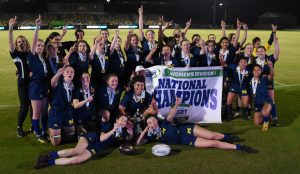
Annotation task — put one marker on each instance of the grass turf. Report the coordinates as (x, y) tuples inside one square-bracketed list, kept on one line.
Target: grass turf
[(279, 149)]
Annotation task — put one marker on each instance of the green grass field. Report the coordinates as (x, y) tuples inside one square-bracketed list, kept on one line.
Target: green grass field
[(279, 147)]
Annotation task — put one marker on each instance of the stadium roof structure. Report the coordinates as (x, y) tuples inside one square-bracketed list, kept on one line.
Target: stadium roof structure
[(275, 15), (278, 18)]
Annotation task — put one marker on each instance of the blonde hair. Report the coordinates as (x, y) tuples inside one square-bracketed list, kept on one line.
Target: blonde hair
[(27, 49)]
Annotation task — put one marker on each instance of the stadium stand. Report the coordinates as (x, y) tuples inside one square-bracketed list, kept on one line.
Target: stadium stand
[(81, 19)]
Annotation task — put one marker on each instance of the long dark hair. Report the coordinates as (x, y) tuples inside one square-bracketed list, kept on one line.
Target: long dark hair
[(223, 38), (51, 36)]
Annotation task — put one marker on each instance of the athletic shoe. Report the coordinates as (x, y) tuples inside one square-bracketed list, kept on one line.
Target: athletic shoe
[(41, 139), (31, 129), (265, 126), (275, 123), (40, 164), (237, 114), (248, 149), (43, 158), (249, 112), (45, 135), (20, 132)]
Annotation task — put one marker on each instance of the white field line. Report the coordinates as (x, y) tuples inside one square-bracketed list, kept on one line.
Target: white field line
[(281, 83), (286, 86), (9, 106)]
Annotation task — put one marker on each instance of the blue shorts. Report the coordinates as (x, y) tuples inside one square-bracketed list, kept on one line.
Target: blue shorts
[(94, 144), (270, 85), (59, 119), (226, 77), (238, 90), (258, 106), (38, 90), (186, 131), (84, 117)]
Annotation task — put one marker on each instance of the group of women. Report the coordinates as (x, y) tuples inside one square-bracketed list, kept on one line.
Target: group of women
[(107, 100)]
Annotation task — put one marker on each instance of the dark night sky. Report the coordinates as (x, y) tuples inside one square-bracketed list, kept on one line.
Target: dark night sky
[(249, 10), (200, 10)]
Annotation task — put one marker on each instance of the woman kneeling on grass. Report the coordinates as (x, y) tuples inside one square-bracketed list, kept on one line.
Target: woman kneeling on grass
[(186, 134), (262, 100), (89, 144)]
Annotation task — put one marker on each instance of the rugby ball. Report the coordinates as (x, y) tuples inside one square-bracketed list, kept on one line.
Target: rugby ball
[(161, 150)]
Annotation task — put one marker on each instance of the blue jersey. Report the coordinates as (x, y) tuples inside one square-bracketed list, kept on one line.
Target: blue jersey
[(95, 146), (102, 99), (62, 98), (79, 66), (52, 68), (161, 61), (230, 54), (98, 74), (147, 48), (168, 134), (37, 67), (131, 105), (118, 135), (61, 52), (134, 58), (261, 94), (192, 61), (195, 51), (228, 58), (206, 60), (116, 64), (239, 79), (88, 109), (194, 48)]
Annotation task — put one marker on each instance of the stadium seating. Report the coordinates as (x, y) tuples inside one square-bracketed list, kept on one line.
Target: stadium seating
[(81, 19)]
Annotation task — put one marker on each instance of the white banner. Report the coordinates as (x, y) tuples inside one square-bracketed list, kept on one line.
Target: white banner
[(199, 88)]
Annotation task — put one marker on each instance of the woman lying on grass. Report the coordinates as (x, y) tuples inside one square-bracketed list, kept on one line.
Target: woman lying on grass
[(186, 134), (89, 144)]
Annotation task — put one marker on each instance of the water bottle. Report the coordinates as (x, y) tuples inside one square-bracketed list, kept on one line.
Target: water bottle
[(137, 119), (118, 131)]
